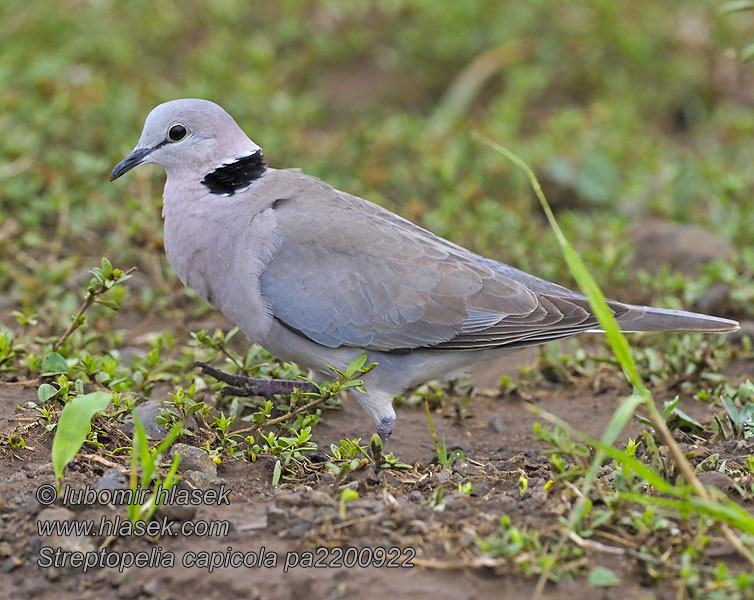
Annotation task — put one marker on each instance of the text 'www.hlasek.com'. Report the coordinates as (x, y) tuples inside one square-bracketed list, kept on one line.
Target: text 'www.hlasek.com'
[(108, 529)]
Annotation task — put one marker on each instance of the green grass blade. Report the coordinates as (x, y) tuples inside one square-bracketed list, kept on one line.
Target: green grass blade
[(582, 276), (733, 514), (140, 454), (620, 347), (684, 500), (618, 421), (607, 321), (172, 435), (73, 428)]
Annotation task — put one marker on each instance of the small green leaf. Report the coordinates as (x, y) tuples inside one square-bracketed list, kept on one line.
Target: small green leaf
[(73, 428), (107, 267), (54, 364), (276, 473), (45, 392), (603, 577), (346, 495), (670, 406), (677, 419), (354, 383), (375, 445), (109, 304), (356, 365)]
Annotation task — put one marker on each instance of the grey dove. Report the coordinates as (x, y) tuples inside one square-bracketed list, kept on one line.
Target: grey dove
[(318, 276)]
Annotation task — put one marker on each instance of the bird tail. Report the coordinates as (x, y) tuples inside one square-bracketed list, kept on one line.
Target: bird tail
[(646, 318)]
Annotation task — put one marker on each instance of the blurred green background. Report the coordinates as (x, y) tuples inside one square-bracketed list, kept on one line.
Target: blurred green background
[(626, 110)]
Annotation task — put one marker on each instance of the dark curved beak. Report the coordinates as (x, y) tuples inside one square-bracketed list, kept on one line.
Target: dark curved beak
[(132, 160)]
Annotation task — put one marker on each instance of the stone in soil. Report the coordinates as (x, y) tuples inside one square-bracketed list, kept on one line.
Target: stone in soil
[(276, 515), (200, 480), (55, 513), (497, 424), (67, 543), (10, 563), (464, 468), (320, 498), (177, 512), (194, 459), (683, 247), (148, 412), (112, 479)]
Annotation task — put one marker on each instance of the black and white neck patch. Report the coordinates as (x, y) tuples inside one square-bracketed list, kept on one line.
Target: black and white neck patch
[(230, 178)]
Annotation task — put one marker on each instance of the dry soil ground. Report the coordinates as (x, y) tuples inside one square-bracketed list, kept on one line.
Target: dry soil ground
[(392, 509)]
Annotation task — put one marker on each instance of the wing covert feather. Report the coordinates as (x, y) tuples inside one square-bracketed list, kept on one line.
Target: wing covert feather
[(349, 272)]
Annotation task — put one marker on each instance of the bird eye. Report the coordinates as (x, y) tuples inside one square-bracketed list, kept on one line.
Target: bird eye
[(177, 132)]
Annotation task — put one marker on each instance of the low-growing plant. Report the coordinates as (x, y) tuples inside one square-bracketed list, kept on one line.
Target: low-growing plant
[(73, 428), (227, 440), (346, 496), (7, 352), (435, 501), (444, 457), (104, 278), (145, 471), (687, 497), (182, 409), (522, 545)]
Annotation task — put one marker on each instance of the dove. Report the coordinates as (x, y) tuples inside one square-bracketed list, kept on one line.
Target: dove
[(318, 276)]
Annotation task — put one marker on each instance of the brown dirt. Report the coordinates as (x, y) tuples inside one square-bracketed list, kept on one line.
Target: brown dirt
[(304, 516)]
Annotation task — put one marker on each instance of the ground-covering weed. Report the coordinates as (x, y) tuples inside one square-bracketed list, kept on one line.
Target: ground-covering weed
[(74, 427), (444, 457), (688, 496), (611, 153), (145, 472)]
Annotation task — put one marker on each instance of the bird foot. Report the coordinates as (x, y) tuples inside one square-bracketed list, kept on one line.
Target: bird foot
[(239, 385), (385, 428)]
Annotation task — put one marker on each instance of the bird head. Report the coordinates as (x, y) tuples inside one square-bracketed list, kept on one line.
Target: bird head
[(195, 136)]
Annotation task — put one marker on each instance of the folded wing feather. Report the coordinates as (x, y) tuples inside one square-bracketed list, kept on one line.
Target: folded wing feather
[(350, 273)]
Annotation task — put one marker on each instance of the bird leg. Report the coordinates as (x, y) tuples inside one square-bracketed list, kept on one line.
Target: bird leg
[(239, 385), (385, 428)]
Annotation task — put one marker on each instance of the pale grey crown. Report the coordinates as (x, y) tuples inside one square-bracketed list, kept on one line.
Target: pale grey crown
[(212, 139)]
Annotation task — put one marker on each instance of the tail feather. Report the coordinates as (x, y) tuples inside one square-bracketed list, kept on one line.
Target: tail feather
[(646, 318)]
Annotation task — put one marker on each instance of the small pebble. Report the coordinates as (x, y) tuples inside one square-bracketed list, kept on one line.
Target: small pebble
[(497, 424), (55, 513), (455, 502), (177, 512), (276, 515), (320, 498), (147, 412), (194, 459), (442, 475), (464, 468), (327, 479), (112, 479), (200, 480), (10, 563), (129, 590), (416, 496)]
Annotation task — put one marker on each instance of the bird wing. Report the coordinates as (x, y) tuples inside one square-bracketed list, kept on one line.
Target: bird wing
[(350, 273)]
